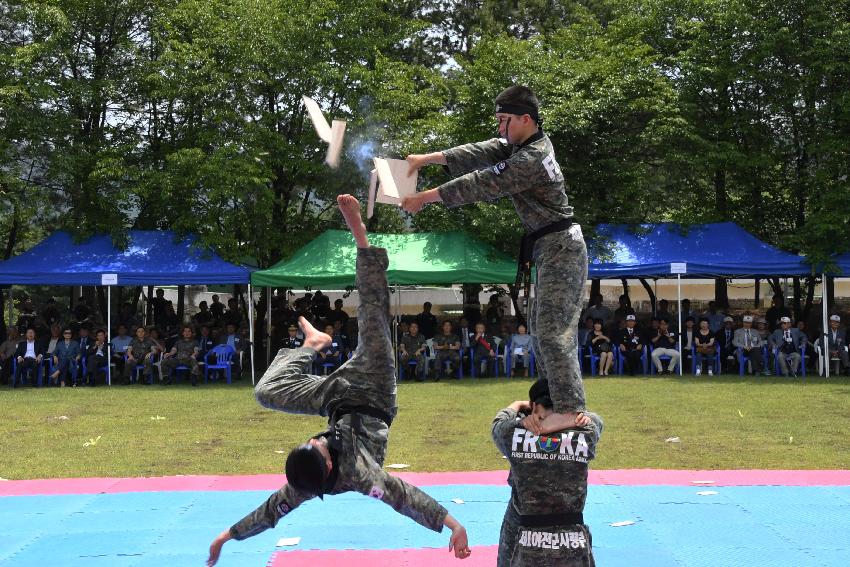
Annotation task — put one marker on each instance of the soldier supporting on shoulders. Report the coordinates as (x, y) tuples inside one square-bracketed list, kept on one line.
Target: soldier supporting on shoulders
[(523, 167), (360, 400), (544, 524)]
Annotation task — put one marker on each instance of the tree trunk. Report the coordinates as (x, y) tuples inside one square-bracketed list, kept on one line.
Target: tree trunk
[(149, 307), (757, 296), (830, 294), (471, 303), (810, 296), (798, 295), (101, 303), (776, 286), (134, 298), (649, 290), (595, 286), (721, 293), (625, 283), (181, 300), (721, 201)]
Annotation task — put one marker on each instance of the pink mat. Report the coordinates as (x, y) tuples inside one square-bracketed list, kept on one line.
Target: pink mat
[(481, 557), (273, 482)]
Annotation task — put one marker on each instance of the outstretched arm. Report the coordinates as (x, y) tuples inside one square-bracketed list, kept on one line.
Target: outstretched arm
[(264, 517)]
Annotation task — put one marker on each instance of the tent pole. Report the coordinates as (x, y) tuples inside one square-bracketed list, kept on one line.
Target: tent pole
[(679, 310), (108, 336), (269, 326), (824, 342), (251, 329)]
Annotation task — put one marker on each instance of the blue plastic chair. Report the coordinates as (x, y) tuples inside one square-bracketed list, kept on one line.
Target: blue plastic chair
[(134, 375), (620, 360), (663, 357), (715, 359), (29, 372), (778, 372), (223, 361)]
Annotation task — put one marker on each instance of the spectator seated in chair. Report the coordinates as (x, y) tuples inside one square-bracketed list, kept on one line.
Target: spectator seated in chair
[(140, 352), (66, 358), (339, 337), (183, 353), (97, 358), (483, 350), (787, 342), (7, 353), (293, 340), (688, 342), (120, 342), (234, 339), (584, 331), (664, 344), (600, 345), (447, 348), (706, 347), (205, 344), (412, 349), (725, 338), (836, 338), (329, 359), (749, 342), (29, 354), (520, 355), (631, 347)]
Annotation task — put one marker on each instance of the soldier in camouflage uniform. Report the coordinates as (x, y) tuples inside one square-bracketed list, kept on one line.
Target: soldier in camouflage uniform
[(543, 524), (360, 400), (412, 348), (140, 351), (183, 353), (524, 168)]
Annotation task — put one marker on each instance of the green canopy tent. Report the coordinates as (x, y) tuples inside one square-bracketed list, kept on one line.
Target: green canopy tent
[(429, 258), (415, 259)]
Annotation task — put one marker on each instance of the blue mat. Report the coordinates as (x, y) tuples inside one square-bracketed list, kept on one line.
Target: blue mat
[(752, 526)]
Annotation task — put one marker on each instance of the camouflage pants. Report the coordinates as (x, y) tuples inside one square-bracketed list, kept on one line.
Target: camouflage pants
[(367, 378), (172, 362), (561, 261), (563, 546)]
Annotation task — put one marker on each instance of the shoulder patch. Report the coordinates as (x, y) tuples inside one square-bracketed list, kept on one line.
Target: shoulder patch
[(283, 509), (552, 167), (499, 167), (376, 492)]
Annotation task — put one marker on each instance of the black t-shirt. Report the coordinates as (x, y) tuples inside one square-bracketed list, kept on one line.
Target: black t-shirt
[(701, 339), (665, 341)]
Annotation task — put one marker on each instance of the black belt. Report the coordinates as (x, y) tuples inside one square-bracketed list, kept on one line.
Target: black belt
[(545, 520), (526, 254), (363, 410)]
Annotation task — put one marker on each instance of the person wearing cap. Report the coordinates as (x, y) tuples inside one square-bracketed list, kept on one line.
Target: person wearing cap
[(293, 340), (836, 340), (360, 400), (631, 347), (725, 338), (543, 523), (749, 343), (521, 165), (786, 343)]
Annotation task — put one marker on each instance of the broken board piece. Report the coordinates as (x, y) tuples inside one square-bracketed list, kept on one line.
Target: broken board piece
[(389, 183), (332, 134)]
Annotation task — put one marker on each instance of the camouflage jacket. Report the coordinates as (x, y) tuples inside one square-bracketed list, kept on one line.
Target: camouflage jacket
[(528, 173), (141, 348), (413, 343), (185, 348), (358, 455), (548, 473)]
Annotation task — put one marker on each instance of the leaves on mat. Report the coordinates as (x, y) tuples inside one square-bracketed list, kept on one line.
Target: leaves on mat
[(398, 466), (672, 440), (157, 418), (288, 541), (707, 493), (458, 501), (740, 413), (621, 524)]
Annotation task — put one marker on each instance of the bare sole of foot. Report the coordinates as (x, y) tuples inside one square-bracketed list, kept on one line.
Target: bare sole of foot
[(349, 206), (313, 338)]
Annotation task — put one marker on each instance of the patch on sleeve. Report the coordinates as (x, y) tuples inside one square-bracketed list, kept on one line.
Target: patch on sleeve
[(376, 492), (500, 167), (283, 509), (552, 167)]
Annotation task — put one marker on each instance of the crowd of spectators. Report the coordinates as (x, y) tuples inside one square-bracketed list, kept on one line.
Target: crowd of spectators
[(50, 347), (711, 342)]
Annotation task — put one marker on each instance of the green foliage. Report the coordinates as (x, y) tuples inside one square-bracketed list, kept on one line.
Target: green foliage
[(186, 114)]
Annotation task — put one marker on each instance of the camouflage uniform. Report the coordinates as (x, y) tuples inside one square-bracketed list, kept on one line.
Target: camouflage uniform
[(531, 177), (453, 356), (140, 349), (358, 443), (411, 345), (185, 356), (548, 476)]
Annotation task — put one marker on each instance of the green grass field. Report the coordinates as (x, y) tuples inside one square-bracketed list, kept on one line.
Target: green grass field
[(722, 422)]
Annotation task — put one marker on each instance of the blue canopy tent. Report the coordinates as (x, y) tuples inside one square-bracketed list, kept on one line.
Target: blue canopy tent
[(715, 249), (151, 258), (704, 250)]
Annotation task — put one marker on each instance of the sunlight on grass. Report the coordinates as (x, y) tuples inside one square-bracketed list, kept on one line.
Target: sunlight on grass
[(725, 422)]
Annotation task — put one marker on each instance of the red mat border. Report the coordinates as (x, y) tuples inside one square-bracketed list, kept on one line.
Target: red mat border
[(626, 477)]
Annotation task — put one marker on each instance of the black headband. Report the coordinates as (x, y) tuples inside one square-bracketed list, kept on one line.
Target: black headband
[(518, 109)]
